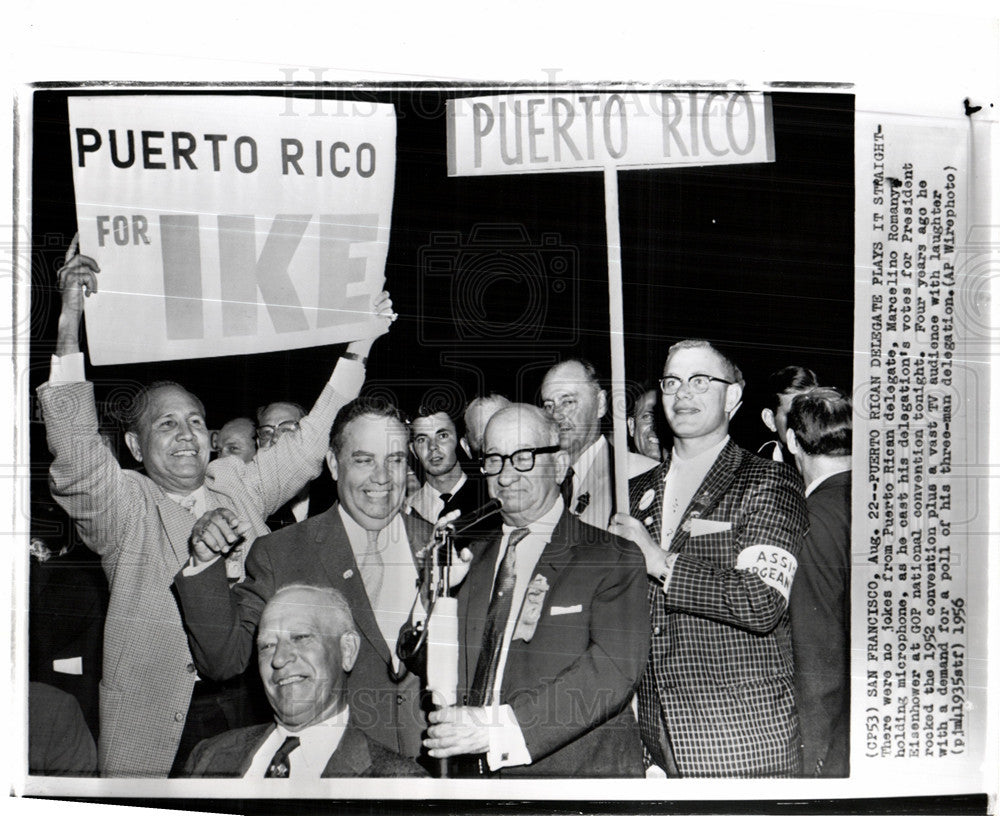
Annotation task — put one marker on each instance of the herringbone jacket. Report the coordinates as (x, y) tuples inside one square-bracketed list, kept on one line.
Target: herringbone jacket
[(720, 663), (142, 537)]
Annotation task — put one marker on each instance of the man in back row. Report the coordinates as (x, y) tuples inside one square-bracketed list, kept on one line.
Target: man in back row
[(446, 487), (573, 397)]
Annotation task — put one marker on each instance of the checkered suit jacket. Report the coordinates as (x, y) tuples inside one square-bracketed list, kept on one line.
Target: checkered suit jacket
[(142, 538), (719, 675)]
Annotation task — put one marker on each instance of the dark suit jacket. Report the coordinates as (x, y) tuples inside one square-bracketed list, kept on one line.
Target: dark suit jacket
[(222, 625), (820, 609), (322, 492), (230, 754), (720, 666), (570, 685)]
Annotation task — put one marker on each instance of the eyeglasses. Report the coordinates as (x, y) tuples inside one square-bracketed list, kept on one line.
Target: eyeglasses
[(522, 460), (267, 432), (697, 382)]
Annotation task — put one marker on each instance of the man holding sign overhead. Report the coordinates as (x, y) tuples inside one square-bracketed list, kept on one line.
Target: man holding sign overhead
[(141, 524)]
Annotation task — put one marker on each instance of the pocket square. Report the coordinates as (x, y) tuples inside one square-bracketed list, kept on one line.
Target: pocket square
[(566, 610), (700, 527), (68, 665)]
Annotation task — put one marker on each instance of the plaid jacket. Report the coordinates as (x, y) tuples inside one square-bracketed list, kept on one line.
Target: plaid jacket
[(719, 675), (142, 537)]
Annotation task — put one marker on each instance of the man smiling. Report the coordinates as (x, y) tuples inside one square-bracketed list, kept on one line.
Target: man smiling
[(307, 646), (363, 546), (141, 527), (720, 530), (549, 662)]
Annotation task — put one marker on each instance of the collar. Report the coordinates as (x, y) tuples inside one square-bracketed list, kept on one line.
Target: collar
[(815, 483), (355, 532), (588, 456), (199, 494), (317, 742), (433, 494), (706, 456), (545, 524), (337, 720)]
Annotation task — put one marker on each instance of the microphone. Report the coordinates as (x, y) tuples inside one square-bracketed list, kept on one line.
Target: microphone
[(473, 517)]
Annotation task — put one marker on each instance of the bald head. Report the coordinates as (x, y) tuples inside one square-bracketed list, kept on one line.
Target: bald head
[(477, 415), (236, 438), (526, 484)]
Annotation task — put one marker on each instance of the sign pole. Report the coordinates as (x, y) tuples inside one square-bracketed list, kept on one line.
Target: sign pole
[(617, 337)]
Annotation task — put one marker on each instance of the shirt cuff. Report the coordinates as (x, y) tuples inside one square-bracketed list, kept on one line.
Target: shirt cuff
[(507, 747), (668, 571), (348, 377), (194, 568), (67, 369)]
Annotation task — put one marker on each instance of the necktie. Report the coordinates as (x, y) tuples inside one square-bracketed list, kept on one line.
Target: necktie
[(566, 488), (372, 568), (280, 767), (188, 503), (483, 680), (445, 498)]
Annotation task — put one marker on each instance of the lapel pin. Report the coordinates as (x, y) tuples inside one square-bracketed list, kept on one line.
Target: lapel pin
[(348, 574)]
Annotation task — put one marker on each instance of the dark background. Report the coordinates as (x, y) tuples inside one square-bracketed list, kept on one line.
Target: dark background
[(497, 278)]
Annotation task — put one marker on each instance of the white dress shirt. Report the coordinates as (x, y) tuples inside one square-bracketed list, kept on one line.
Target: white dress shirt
[(427, 502), (307, 761), (399, 576), (507, 746), (585, 461), (680, 483)]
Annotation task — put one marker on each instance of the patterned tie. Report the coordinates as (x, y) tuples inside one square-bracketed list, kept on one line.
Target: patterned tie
[(566, 488), (372, 568), (483, 680), (280, 766), (188, 503)]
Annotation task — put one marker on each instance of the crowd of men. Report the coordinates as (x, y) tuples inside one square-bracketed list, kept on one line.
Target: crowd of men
[(700, 631)]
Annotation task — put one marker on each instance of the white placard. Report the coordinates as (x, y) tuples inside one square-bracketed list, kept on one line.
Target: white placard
[(223, 227), (580, 130)]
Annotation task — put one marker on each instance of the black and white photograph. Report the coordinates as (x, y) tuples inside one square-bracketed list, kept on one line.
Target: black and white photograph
[(531, 439)]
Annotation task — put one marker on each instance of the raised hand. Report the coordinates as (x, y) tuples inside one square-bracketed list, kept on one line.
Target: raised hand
[(75, 279)]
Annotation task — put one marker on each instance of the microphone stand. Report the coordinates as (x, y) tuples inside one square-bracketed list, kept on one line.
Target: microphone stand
[(442, 633)]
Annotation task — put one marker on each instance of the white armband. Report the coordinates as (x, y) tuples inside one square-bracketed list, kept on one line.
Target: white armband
[(773, 565)]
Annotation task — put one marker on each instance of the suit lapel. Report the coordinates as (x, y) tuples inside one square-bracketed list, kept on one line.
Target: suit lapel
[(330, 540), (720, 476), (352, 757), (254, 739), (559, 550), (646, 499), (557, 554), (177, 523)]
